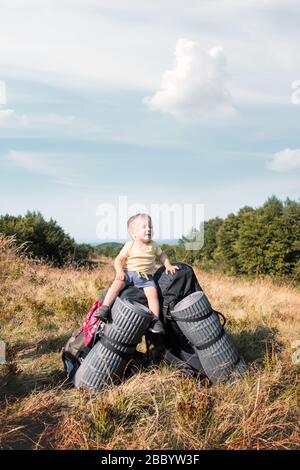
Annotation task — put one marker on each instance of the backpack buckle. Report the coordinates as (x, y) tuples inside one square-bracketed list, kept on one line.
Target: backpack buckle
[(166, 309)]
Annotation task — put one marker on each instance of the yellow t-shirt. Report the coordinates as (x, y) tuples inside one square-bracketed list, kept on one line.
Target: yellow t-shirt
[(140, 259)]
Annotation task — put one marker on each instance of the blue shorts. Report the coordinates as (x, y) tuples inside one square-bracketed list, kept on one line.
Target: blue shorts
[(132, 279)]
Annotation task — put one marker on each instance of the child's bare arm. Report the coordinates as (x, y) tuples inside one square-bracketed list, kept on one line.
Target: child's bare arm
[(166, 262), (118, 264)]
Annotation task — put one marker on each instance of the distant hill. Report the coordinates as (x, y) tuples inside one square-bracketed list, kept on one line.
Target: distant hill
[(109, 245)]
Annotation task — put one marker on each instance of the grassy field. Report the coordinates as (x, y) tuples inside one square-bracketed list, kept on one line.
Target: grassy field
[(157, 408)]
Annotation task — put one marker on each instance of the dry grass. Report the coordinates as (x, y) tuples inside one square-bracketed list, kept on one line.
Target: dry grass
[(155, 409)]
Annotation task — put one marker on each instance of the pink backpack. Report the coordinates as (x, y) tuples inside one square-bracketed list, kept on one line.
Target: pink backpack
[(90, 323), (82, 339)]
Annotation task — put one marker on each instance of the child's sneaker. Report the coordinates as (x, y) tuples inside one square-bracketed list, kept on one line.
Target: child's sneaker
[(157, 327), (103, 313)]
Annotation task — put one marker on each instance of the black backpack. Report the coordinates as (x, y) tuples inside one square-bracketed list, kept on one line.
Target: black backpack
[(173, 347), (171, 290)]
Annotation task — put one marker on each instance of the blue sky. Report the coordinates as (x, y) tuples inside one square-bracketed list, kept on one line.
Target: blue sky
[(158, 101)]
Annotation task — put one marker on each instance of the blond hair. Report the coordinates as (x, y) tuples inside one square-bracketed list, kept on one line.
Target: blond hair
[(133, 218)]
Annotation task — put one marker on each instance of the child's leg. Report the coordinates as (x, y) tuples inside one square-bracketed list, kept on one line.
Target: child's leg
[(153, 303), (111, 295), (152, 297), (113, 291)]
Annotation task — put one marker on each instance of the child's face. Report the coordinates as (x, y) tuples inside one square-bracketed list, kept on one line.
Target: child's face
[(142, 230)]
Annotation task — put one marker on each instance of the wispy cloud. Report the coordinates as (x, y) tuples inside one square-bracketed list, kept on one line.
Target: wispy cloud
[(40, 163), (285, 160), (53, 119), (196, 87), (10, 118)]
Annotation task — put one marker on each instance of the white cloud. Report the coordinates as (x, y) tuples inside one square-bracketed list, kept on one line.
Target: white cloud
[(35, 162), (196, 87), (126, 44), (40, 163), (9, 118), (36, 124), (285, 160), (6, 115)]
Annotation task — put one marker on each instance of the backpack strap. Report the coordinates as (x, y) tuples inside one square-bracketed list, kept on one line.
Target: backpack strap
[(111, 344), (211, 342), (222, 316), (166, 309), (191, 320), (98, 333)]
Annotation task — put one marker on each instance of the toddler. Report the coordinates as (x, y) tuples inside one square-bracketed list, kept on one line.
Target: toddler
[(135, 266)]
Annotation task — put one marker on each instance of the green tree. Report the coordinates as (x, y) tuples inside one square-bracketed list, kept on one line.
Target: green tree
[(44, 239), (268, 239), (226, 255), (211, 228)]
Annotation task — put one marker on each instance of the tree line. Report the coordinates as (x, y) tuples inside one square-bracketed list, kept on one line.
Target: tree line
[(43, 239), (264, 240)]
